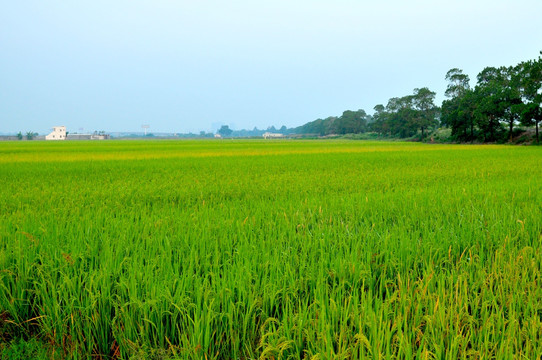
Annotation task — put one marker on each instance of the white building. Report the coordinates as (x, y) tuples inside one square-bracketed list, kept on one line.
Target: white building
[(59, 133), (218, 136), (269, 135)]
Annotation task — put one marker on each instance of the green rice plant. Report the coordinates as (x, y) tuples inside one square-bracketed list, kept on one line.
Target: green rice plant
[(272, 250)]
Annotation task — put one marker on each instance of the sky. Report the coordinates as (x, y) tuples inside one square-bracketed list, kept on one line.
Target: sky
[(190, 66)]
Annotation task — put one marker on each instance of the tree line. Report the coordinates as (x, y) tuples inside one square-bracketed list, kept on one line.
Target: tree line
[(402, 117), (502, 99), (30, 135)]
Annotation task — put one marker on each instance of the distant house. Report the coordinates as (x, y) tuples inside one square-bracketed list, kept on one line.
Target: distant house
[(59, 133), (218, 136), (269, 135)]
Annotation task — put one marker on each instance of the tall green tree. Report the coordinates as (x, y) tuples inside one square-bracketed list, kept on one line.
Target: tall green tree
[(225, 130), (401, 116), (404, 116), (531, 92), (511, 97), (426, 111), (457, 111), (467, 113), (379, 123), (350, 122), (458, 83), (491, 106)]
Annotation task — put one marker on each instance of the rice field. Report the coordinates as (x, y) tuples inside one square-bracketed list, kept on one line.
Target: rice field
[(271, 250)]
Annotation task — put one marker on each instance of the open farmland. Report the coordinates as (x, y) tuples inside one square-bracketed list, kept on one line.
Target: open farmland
[(275, 250)]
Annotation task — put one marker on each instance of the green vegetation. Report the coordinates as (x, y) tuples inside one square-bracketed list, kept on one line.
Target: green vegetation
[(31, 135), (274, 250), (225, 130), (503, 98)]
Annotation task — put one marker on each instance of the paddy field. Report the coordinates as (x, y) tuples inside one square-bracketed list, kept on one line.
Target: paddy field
[(270, 249)]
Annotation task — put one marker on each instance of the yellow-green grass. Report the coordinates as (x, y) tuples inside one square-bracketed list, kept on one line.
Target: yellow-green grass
[(271, 249)]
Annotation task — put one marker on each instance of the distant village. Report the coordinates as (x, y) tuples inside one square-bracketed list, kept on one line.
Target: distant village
[(61, 133), (58, 133)]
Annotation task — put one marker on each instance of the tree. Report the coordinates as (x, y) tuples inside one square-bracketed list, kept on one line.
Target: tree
[(350, 122), (20, 135), (491, 107), (531, 93), (458, 112), (380, 122), (31, 135), (458, 83), (225, 130), (510, 97), (400, 116), (426, 111), (318, 127)]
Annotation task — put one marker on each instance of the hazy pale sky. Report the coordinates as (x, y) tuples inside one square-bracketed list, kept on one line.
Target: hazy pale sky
[(182, 66)]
